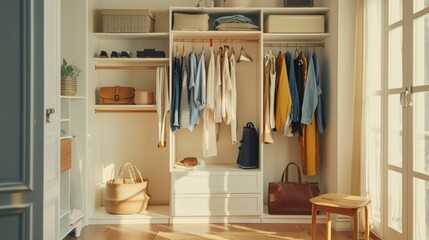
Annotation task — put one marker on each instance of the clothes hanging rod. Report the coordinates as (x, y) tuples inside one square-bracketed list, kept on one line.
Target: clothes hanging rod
[(294, 45), (97, 67), (216, 40)]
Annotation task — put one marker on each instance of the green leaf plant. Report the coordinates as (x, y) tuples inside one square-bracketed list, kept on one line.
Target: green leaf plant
[(68, 70)]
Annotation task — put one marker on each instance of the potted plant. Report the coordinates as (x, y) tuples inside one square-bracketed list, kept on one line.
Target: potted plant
[(69, 74)]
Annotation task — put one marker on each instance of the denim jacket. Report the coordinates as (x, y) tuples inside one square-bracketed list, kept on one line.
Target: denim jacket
[(311, 96)]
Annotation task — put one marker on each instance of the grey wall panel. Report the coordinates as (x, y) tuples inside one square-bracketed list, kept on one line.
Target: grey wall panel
[(15, 222), (15, 74)]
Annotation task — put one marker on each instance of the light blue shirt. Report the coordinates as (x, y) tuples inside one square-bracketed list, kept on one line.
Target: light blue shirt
[(200, 83), (311, 96), (194, 114)]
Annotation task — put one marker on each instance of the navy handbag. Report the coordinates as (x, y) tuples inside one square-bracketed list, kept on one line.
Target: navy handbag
[(248, 154)]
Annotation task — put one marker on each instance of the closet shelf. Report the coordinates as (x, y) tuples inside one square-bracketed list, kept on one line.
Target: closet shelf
[(132, 36), (284, 37), (125, 108), (218, 168), (73, 97), (296, 10), (227, 35), (151, 61), (216, 10)]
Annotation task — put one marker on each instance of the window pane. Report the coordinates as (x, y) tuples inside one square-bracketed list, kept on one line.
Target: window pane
[(373, 155), (395, 131), (421, 50), (420, 5), (421, 210), (395, 58), (395, 11), (421, 132), (395, 201)]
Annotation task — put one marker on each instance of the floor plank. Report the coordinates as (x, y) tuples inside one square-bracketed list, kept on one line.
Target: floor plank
[(149, 231)]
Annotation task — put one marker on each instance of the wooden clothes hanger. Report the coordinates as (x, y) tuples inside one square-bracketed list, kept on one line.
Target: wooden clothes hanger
[(244, 56)]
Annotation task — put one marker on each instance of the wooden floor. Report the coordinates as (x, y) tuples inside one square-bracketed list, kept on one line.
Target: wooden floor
[(149, 231)]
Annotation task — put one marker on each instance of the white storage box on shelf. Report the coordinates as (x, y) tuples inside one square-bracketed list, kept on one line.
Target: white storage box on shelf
[(295, 24), (127, 21)]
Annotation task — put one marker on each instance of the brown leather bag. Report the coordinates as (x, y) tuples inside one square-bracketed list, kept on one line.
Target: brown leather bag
[(117, 95), (292, 198)]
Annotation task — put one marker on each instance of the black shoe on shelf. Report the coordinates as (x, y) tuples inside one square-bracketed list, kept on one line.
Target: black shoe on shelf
[(114, 54), (103, 54), (125, 54)]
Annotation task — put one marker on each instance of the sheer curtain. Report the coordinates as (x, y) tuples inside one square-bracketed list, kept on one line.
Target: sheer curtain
[(367, 154)]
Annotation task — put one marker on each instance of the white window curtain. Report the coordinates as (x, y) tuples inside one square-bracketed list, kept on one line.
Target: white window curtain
[(368, 101)]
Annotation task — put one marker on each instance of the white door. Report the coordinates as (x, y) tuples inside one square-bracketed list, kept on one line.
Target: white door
[(21, 119), (52, 123), (397, 133)]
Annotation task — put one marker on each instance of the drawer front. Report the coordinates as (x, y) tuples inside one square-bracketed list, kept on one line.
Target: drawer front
[(216, 204), (216, 183)]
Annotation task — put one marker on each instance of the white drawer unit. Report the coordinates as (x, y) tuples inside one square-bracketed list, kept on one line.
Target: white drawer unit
[(216, 183), (216, 204), (219, 190)]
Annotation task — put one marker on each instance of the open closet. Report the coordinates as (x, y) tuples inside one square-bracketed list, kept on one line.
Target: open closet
[(114, 134)]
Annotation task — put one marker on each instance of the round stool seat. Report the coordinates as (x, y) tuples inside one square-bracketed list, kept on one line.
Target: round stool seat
[(340, 201), (339, 204)]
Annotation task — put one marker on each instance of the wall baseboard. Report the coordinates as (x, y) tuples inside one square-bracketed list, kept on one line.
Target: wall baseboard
[(341, 223)]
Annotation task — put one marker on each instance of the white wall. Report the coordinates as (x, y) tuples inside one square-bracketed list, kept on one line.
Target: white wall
[(346, 46), (336, 146), (329, 141)]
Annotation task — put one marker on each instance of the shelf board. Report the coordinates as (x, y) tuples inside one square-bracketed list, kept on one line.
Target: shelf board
[(65, 120), (73, 97), (154, 215), (66, 137), (295, 10), (132, 36), (284, 37), (158, 61), (228, 35), (215, 10), (218, 168), (125, 108)]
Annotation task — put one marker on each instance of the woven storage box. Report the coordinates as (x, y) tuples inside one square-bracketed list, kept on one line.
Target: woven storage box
[(127, 21)]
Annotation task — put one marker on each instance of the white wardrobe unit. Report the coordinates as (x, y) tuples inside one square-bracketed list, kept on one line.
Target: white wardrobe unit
[(222, 192)]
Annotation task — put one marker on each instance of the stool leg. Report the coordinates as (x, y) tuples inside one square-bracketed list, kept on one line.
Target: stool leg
[(313, 222), (328, 226), (366, 224), (356, 224)]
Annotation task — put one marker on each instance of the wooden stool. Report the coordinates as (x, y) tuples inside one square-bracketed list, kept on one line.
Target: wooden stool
[(339, 204)]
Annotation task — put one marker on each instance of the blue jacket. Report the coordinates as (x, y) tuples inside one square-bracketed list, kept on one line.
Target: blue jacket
[(311, 96), (319, 109)]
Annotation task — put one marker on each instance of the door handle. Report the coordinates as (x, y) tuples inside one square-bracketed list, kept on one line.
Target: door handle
[(406, 97), (48, 113)]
